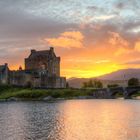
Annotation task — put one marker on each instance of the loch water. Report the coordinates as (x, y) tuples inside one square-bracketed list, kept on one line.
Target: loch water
[(70, 120)]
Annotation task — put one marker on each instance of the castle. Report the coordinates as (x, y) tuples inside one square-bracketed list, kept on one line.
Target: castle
[(42, 70)]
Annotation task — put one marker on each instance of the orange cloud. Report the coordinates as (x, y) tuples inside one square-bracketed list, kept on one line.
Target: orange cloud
[(72, 39), (121, 45), (123, 51), (102, 61), (117, 40), (137, 46), (74, 34)]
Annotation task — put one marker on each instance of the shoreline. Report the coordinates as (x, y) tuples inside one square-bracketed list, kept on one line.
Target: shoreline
[(62, 99), (8, 93)]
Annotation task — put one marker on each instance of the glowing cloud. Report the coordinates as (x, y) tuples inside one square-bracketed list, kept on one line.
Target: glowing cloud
[(72, 39), (102, 61), (104, 17), (117, 40), (137, 46)]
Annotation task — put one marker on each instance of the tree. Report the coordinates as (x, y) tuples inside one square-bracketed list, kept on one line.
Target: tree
[(84, 85), (97, 84), (133, 82), (92, 84)]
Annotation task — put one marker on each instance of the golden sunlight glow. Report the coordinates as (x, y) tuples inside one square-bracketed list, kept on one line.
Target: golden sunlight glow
[(137, 46), (93, 71), (80, 60)]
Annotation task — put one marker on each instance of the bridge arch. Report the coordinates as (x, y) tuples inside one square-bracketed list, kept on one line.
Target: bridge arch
[(131, 93), (116, 94), (116, 91)]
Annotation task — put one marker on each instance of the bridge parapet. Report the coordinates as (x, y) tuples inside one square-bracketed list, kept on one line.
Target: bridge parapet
[(110, 93), (101, 93)]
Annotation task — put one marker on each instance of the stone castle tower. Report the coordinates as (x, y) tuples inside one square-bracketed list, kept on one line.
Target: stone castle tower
[(43, 61), (42, 70)]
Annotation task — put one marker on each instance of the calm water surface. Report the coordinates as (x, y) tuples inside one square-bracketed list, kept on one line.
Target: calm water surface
[(71, 120)]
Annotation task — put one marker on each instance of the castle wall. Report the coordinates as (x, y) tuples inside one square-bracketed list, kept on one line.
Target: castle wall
[(23, 79), (4, 75), (20, 78)]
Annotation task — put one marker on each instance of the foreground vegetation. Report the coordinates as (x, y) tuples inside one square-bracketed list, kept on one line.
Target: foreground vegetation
[(7, 92), (17, 93)]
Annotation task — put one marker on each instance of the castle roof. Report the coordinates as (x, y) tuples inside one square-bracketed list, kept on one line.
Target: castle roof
[(39, 53), (45, 53)]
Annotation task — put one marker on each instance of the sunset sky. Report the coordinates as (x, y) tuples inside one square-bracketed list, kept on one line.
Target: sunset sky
[(93, 37)]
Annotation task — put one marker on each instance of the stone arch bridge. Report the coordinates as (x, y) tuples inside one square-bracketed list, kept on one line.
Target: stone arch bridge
[(111, 93)]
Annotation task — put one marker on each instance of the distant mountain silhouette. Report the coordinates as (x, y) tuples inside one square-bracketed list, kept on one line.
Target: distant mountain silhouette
[(119, 76), (123, 74)]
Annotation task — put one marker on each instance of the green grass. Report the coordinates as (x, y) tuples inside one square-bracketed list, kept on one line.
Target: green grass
[(7, 92), (136, 94), (22, 93)]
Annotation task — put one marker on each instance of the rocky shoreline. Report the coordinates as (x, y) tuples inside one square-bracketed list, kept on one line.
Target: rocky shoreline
[(51, 99)]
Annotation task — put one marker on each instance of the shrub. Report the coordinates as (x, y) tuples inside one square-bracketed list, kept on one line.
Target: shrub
[(133, 82)]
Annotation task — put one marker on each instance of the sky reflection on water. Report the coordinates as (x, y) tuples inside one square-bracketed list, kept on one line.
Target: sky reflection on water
[(70, 120)]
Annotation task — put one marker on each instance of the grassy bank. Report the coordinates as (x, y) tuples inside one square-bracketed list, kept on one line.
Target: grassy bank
[(7, 92)]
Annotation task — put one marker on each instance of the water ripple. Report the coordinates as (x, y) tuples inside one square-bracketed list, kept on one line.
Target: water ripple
[(70, 120)]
